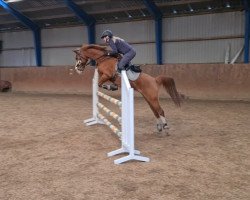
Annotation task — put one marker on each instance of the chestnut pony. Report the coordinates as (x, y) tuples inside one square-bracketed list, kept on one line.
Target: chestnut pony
[(147, 85)]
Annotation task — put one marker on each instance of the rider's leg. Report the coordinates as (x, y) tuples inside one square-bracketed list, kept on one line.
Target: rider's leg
[(126, 60)]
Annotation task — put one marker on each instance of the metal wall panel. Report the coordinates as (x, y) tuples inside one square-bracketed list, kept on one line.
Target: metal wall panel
[(17, 49), (59, 43), (64, 36), (212, 51), (58, 56), (204, 26), (15, 58), (138, 31), (19, 39), (189, 39), (145, 54), (202, 38)]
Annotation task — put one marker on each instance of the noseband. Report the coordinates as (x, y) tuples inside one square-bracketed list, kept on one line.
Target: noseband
[(79, 66)]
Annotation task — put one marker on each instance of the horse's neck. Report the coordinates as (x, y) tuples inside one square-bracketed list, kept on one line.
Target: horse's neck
[(107, 66), (95, 56)]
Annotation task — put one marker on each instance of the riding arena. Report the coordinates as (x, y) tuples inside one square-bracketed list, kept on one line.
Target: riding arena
[(174, 124)]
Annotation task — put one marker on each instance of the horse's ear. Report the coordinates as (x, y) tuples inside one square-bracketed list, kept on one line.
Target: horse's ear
[(77, 51)]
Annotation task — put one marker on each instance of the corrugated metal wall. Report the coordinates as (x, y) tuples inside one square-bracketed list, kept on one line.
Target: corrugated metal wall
[(203, 38), (189, 39), (59, 43), (17, 49)]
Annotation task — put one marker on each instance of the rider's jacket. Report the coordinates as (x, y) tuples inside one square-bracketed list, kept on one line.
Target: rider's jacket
[(118, 45)]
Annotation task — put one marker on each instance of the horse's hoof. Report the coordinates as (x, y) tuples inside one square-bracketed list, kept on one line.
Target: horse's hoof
[(159, 128), (165, 126), (106, 87), (113, 87)]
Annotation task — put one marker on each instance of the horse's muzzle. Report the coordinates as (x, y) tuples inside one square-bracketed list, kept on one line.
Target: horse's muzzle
[(79, 67)]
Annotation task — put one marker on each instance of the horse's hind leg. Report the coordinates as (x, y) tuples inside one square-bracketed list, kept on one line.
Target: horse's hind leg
[(158, 112), (161, 119)]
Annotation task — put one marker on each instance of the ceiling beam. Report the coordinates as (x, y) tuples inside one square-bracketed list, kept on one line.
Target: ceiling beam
[(156, 12), (84, 17), (153, 9), (80, 13), (58, 6), (184, 2), (31, 25), (19, 16), (174, 3)]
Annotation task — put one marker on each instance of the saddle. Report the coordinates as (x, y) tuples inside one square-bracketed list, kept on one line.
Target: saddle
[(134, 68)]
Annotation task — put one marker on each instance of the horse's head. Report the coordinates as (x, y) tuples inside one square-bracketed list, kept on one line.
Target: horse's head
[(86, 52), (81, 61)]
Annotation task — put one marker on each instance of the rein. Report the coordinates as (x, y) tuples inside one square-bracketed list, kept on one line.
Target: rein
[(95, 59), (99, 58)]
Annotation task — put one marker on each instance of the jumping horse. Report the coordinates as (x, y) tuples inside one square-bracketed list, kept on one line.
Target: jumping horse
[(147, 85)]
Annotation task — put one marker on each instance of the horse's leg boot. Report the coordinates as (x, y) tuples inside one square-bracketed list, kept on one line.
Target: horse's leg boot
[(113, 87)]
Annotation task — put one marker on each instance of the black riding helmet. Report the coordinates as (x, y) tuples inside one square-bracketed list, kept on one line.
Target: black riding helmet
[(107, 33)]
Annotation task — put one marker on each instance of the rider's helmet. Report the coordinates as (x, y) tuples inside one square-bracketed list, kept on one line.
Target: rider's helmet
[(107, 33)]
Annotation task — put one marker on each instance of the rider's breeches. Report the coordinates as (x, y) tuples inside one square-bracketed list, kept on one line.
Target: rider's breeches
[(126, 59)]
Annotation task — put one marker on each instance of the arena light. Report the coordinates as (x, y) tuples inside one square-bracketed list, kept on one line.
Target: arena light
[(190, 8), (143, 14), (129, 16)]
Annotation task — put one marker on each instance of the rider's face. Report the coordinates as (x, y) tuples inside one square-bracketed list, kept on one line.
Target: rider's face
[(106, 39)]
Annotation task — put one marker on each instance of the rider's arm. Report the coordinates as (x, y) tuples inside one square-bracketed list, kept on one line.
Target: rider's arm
[(113, 47)]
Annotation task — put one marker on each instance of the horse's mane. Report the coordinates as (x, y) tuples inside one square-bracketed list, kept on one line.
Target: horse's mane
[(94, 46)]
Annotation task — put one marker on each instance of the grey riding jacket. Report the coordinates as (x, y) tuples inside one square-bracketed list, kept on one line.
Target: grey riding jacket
[(122, 47), (119, 46)]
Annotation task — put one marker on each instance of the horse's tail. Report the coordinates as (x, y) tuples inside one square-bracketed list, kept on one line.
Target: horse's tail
[(169, 85)]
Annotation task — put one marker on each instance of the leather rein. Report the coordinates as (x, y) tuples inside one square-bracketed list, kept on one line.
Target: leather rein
[(94, 59)]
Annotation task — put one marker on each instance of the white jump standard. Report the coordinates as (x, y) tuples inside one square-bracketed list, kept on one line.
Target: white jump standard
[(126, 134)]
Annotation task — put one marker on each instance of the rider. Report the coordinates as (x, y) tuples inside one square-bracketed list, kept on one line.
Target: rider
[(118, 45)]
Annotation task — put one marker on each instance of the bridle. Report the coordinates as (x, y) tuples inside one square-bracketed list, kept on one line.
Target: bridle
[(79, 66)]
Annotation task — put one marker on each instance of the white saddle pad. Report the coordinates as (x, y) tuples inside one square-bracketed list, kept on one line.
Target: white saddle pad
[(132, 75)]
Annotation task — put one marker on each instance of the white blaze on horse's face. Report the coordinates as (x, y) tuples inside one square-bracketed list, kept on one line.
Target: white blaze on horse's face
[(79, 67), (80, 62)]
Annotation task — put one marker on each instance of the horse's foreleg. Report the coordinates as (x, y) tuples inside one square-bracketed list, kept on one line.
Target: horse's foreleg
[(102, 79)]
